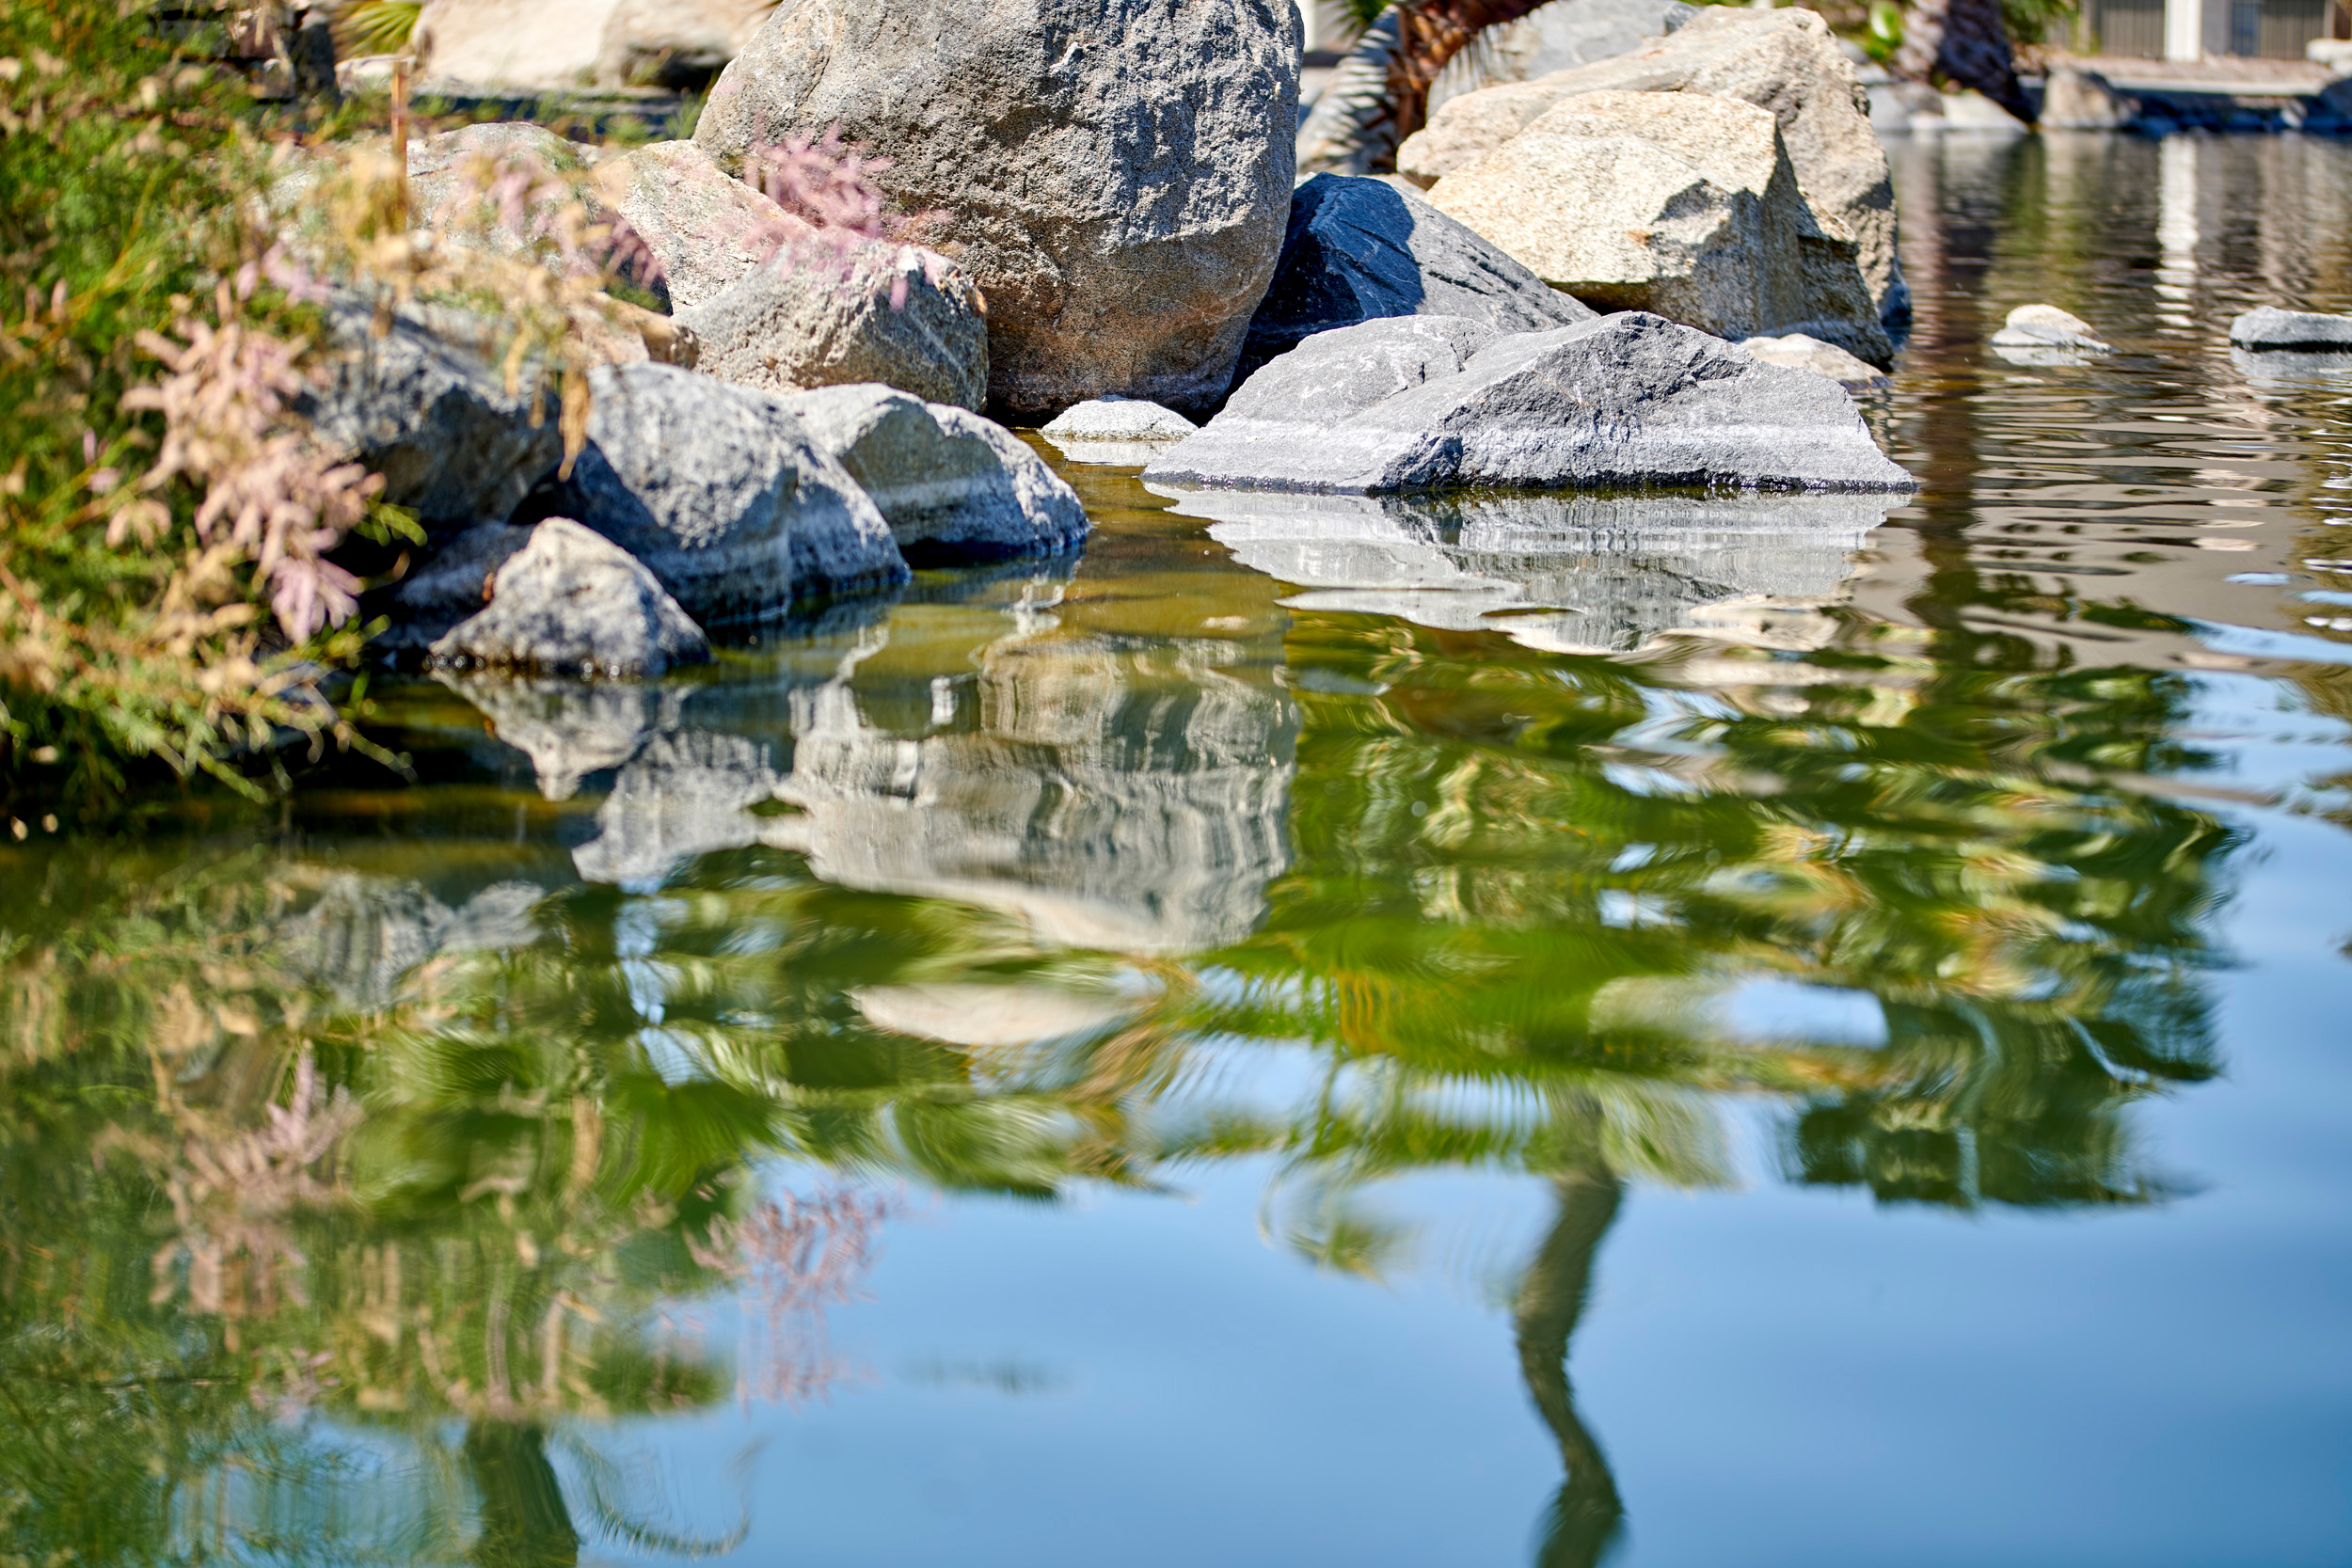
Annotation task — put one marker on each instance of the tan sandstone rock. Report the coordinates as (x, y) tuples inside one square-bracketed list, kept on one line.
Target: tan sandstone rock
[(1785, 61), (527, 43), (1674, 204)]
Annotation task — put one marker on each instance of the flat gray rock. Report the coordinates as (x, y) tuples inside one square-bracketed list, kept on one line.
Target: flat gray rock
[(724, 494), (1430, 402), (954, 487), (570, 602), (2268, 330), (1117, 172), (1588, 573), (1128, 431), (1360, 249), (422, 407)]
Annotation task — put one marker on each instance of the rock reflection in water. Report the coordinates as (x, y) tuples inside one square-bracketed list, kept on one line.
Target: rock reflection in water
[(1570, 573)]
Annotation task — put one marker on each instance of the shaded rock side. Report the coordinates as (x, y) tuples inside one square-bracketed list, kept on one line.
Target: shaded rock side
[(705, 228), (1674, 204), (422, 407), (2269, 330), (722, 494), (1785, 61), (1116, 173), (1124, 431), (954, 487), (819, 315), (572, 603), (1425, 402), (1360, 249), (1560, 35)]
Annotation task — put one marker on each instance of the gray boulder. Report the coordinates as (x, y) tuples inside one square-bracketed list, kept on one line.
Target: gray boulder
[(1426, 403), (1785, 61), (450, 174), (703, 227), (1117, 172), (1560, 35), (422, 407), (2268, 330), (678, 44), (1362, 248), (1675, 203), (571, 603), (834, 314), (1129, 431), (722, 494), (450, 584), (1801, 353), (953, 486)]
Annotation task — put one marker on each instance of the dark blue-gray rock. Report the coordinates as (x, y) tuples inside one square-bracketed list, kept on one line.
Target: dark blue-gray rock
[(827, 314), (1116, 172), (1590, 574), (423, 406), (1362, 248), (1129, 431), (1434, 403), (953, 486), (722, 493), (2268, 330), (570, 602)]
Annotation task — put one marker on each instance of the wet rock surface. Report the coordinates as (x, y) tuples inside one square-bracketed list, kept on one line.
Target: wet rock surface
[(1674, 204), (954, 487), (1360, 249), (1118, 175), (829, 315), (723, 495), (1434, 403)]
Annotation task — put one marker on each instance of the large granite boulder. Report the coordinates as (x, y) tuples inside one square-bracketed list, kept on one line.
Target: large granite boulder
[(678, 44), (1116, 173), (1785, 61), (423, 406), (1359, 249), (1560, 35), (722, 493), (953, 486), (702, 228), (520, 44), (448, 189), (835, 311), (1671, 202), (1587, 574), (1430, 402), (570, 602)]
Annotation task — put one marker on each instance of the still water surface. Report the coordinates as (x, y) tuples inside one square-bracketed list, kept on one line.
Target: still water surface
[(1698, 1033)]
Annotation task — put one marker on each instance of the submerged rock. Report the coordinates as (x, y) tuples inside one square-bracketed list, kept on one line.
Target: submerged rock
[(722, 494), (1674, 203), (703, 229), (1801, 353), (1587, 574), (422, 407), (570, 602), (1118, 172), (2268, 330), (1362, 248), (1785, 61), (953, 486), (1125, 431), (2046, 335), (828, 314), (1425, 403)]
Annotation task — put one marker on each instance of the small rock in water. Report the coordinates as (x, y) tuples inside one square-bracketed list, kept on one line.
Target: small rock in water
[(1360, 249), (2271, 330), (1801, 353), (572, 603), (2047, 326), (1126, 431), (954, 487), (1428, 402), (722, 492), (820, 315)]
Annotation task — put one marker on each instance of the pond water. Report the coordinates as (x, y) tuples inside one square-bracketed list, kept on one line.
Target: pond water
[(1728, 1033)]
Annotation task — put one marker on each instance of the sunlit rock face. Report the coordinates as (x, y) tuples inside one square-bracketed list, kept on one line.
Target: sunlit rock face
[(1106, 812), (1568, 572)]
